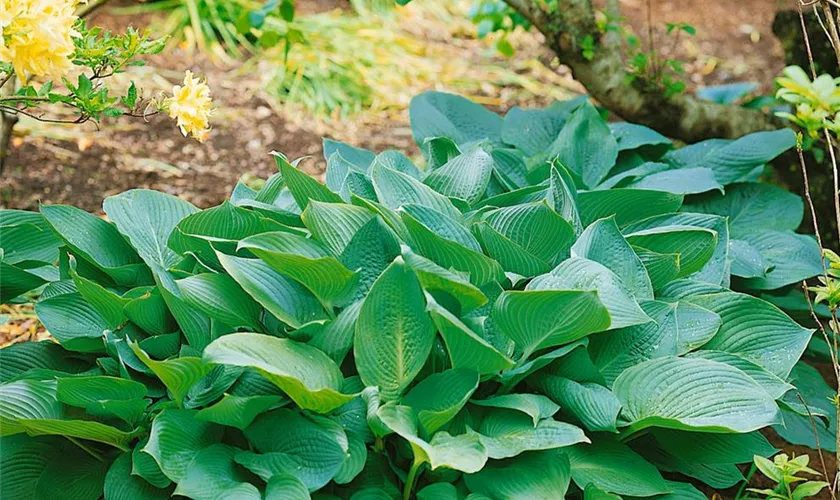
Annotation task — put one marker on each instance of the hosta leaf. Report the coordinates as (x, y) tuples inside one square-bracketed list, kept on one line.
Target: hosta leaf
[(752, 206), (437, 398), (536, 406), (178, 374), (176, 438), (533, 130), (684, 181), (396, 160), (631, 136), (283, 297), (27, 400), (394, 334), (238, 411), (531, 476), (435, 279), (747, 262), (614, 468), (693, 394), (591, 404), (74, 475), (538, 318), (107, 303), (586, 146), (306, 263), (303, 187), (97, 241), (707, 448), (755, 330), (24, 460), (534, 228), (212, 473), (81, 429), (437, 114), (221, 298), (104, 396), (716, 269), (395, 189), (17, 281), (799, 429), (438, 491), (465, 177), (147, 218), (371, 250), (736, 159), (26, 238), (217, 228), (789, 257), (121, 484), (73, 322), (303, 372), (603, 243), (195, 325), (507, 433), (334, 224), (464, 452), (144, 465), (353, 465), (583, 274), (771, 383), (147, 309), (359, 157), (283, 486), (562, 195), (310, 448), (438, 151), (336, 337), (676, 329), (18, 359), (338, 168), (466, 348), (627, 205), (695, 245)]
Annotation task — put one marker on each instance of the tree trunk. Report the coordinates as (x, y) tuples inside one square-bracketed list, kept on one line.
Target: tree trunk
[(682, 116)]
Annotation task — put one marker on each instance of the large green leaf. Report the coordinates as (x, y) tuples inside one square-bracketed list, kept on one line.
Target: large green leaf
[(303, 372), (334, 224), (104, 396), (603, 243), (676, 329), (614, 468), (435, 279), (147, 218), (18, 359), (17, 281), (79, 429), (310, 448), (533, 130), (693, 394), (307, 263), (536, 406), (23, 460), (303, 187), (466, 348), (437, 398), (627, 205), (220, 297), (177, 374), (73, 475), (176, 438), (25, 237), (97, 241), (593, 405), (26, 400), (507, 433), (283, 297), (586, 146), (463, 452), (395, 189), (531, 476), (790, 258), (535, 319), (394, 334), (756, 330), (750, 206), (73, 322), (464, 177), (696, 245), (437, 114), (584, 274), (212, 473), (121, 484)]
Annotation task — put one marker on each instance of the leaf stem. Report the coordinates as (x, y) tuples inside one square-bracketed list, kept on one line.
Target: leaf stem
[(412, 477)]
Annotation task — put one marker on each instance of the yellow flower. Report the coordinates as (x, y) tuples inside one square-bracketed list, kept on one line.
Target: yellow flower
[(36, 36), (191, 105)]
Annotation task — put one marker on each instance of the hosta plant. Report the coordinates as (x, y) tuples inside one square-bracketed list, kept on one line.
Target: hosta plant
[(550, 306)]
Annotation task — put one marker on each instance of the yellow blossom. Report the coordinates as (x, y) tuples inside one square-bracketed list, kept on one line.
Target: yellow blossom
[(36, 36), (191, 105)]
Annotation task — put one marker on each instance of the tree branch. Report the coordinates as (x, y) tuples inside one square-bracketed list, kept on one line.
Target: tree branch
[(680, 116)]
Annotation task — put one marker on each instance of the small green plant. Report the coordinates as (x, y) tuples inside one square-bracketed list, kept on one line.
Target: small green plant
[(647, 64), (786, 473), (551, 306)]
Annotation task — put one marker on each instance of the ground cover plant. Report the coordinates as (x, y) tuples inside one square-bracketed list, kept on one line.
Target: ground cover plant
[(550, 306)]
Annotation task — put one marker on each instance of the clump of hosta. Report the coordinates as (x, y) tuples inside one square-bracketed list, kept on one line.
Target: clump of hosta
[(549, 306)]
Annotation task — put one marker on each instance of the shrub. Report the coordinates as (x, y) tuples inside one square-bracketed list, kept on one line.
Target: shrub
[(549, 307)]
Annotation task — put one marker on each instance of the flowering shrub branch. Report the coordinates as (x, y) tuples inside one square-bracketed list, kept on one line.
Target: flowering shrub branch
[(45, 42)]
